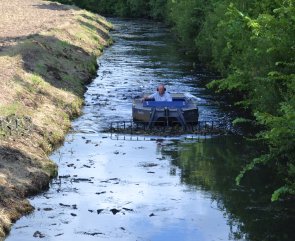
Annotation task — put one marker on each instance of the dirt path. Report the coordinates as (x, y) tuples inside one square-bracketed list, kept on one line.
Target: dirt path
[(22, 18)]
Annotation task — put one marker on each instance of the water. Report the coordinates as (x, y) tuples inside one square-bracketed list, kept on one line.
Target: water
[(150, 188)]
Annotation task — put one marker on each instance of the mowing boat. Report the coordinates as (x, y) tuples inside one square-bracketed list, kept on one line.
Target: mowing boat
[(182, 110), (163, 118)]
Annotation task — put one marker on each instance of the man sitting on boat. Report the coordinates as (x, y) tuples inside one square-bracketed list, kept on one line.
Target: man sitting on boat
[(160, 95)]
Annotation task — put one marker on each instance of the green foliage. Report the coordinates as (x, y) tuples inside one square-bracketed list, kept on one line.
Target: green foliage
[(241, 120), (158, 9), (124, 8), (187, 17), (279, 192), (252, 45)]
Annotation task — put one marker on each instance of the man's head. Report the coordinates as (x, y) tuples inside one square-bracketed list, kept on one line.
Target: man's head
[(161, 89)]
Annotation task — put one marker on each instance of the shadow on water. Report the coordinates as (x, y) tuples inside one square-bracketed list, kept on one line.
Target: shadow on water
[(213, 164)]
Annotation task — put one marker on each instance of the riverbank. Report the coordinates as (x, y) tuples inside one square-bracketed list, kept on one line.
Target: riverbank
[(48, 54)]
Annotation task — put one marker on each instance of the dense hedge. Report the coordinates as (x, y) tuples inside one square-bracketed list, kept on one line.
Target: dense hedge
[(251, 43), (155, 9)]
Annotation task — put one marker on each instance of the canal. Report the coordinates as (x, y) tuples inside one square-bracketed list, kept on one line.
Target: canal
[(152, 188)]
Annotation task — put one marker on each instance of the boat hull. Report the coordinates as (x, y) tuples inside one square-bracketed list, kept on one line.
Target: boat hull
[(181, 110)]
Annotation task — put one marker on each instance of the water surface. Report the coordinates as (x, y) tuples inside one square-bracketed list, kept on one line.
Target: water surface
[(151, 188)]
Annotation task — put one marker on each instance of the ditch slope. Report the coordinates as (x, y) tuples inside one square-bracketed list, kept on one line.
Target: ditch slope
[(48, 54)]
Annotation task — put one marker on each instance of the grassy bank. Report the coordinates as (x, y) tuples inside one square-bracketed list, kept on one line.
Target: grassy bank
[(43, 79)]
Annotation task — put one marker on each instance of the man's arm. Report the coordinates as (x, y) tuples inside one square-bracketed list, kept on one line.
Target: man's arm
[(146, 97)]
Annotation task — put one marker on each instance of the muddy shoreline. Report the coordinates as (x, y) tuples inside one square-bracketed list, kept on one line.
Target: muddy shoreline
[(44, 69)]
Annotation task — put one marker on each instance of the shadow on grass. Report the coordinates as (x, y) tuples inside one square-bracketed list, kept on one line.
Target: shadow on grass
[(18, 167), (61, 64), (54, 6), (100, 22), (101, 32)]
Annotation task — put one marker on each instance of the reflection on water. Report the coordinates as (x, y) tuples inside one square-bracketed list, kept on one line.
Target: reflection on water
[(121, 190), (156, 189), (212, 165)]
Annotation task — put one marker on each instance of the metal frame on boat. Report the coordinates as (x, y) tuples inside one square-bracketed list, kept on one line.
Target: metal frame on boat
[(182, 110)]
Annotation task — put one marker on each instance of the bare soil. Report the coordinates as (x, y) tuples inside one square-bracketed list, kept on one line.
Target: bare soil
[(22, 18), (47, 54)]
